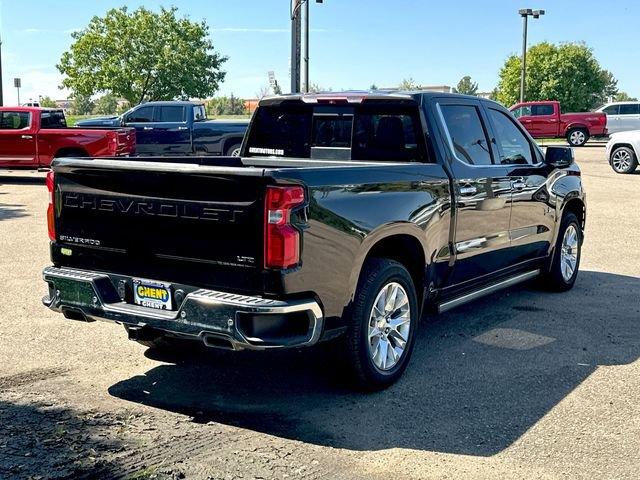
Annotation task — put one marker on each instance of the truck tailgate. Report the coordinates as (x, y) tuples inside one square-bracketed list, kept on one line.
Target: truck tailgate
[(147, 219)]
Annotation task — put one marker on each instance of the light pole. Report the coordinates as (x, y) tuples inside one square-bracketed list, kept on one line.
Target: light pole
[(525, 13), (300, 48)]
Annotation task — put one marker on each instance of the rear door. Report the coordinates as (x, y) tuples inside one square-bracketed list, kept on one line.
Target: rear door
[(17, 139), (171, 132), (483, 192), (544, 120), (142, 120)]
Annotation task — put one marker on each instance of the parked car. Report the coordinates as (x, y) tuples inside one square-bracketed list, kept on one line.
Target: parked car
[(544, 120), (177, 128), (621, 116), (622, 151), (337, 223), (31, 137)]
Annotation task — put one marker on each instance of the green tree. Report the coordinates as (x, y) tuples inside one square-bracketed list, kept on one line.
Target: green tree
[(81, 105), (106, 105), (231, 105), (466, 86), (567, 72), (624, 97), (48, 102), (142, 55), (373, 87), (408, 84)]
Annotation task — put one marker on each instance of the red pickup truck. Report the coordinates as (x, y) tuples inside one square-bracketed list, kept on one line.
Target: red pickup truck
[(30, 137), (544, 120)]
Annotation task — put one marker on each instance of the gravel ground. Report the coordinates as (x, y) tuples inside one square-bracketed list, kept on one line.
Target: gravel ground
[(522, 384)]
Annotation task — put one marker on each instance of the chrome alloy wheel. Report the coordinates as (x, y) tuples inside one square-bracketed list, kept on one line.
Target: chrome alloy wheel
[(235, 152), (569, 253), (577, 137), (389, 326), (621, 160)]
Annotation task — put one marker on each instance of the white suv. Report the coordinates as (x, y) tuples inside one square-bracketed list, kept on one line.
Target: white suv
[(622, 151), (621, 116)]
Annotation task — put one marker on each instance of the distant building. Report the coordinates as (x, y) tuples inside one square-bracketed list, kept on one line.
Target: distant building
[(64, 104), (251, 104), (426, 88)]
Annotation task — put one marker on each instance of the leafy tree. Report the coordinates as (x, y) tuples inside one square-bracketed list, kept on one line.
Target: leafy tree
[(106, 105), (408, 84), (142, 55), (81, 105), (231, 105), (48, 102), (373, 87), (624, 97), (466, 86), (277, 89), (315, 88), (567, 72)]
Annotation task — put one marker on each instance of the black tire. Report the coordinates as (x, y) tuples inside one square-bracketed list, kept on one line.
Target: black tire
[(233, 150), (554, 280), (623, 160), (376, 274), (579, 139)]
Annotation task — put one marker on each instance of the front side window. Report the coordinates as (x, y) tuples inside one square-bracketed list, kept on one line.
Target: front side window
[(629, 109), (522, 112), (141, 115), (467, 133), (14, 120), (612, 110), (538, 110), (172, 114), (514, 146)]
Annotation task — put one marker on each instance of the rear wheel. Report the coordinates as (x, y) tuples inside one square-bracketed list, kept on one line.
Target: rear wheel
[(380, 336), (233, 150), (624, 160), (566, 256), (577, 137)]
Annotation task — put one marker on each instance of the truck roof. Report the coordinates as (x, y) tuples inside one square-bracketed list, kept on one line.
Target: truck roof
[(29, 109), (358, 96), (173, 102)]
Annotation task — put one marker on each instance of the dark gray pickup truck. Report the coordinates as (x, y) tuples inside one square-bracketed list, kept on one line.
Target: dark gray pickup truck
[(346, 217)]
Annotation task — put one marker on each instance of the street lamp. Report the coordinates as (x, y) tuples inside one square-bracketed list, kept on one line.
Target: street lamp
[(525, 13), (298, 7)]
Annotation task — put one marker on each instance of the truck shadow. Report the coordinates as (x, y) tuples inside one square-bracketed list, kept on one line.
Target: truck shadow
[(9, 211), (22, 180), (480, 376)]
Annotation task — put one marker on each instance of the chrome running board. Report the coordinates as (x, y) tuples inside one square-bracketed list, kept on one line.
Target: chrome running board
[(469, 297)]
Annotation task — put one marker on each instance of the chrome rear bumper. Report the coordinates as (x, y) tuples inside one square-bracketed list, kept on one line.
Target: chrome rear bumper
[(207, 315)]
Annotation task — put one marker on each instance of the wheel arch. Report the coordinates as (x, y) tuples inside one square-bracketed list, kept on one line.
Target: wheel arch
[(71, 152)]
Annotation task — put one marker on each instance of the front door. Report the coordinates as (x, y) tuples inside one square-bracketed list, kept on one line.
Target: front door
[(483, 192), (171, 131), (142, 120), (17, 140), (532, 214)]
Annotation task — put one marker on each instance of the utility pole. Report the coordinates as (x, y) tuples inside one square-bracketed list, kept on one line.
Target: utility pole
[(1, 96), (305, 47), (296, 33), (525, 13)]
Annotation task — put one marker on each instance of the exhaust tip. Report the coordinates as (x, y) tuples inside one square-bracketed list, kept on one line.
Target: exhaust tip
[(217, 341), (73, 314)]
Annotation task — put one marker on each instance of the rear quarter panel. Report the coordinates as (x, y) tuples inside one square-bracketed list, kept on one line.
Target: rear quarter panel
[(589, 120), (215, 136), (51, 141), (351, 209)]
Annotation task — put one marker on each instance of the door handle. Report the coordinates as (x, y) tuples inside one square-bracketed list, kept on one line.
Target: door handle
[(519, 185), (468, 190), (148, 128), (183, 128), (27, 137)]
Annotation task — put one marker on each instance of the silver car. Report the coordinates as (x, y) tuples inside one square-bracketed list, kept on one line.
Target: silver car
[(622, 116)]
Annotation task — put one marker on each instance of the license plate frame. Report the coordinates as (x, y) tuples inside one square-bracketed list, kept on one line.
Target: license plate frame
[(152, 294)]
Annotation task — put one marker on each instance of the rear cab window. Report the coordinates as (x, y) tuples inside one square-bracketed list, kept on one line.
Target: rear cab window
[(380, 131), (171, 114), (541, 110)]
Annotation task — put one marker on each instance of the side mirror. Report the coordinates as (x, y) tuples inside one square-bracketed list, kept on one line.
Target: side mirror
[(559, 157)]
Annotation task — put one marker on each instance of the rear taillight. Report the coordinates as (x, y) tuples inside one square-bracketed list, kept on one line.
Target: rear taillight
[(281, 239), (51, 220), (113, 142)]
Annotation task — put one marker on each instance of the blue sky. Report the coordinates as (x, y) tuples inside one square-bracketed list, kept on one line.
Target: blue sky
[(354, 43)]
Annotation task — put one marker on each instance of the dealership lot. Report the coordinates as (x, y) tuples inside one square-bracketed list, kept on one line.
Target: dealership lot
[(522, 384)]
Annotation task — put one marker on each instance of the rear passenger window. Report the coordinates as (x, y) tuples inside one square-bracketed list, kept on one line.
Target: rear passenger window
[(14, 120), (53, 120), (467, 133), (629, 109), (172, 114), (514, 146), (390, 136), (538, 110)]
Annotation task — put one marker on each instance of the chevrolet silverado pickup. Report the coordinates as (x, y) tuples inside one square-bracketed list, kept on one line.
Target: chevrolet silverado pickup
[(346, 217), (177, 128), (545, 120), (30, 137)]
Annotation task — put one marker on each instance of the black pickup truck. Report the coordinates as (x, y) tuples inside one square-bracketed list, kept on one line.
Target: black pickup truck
[(346, 216)]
